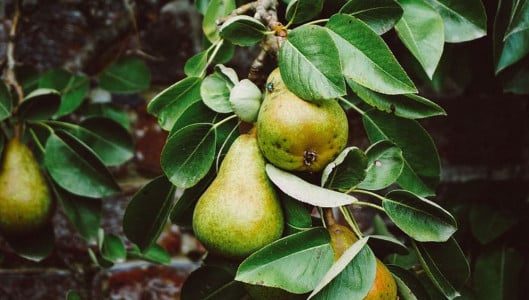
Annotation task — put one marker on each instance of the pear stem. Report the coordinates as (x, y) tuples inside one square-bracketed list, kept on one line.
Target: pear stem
[(328, 216)]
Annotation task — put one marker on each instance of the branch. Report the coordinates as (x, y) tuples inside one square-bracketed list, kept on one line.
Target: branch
[(10, 76)]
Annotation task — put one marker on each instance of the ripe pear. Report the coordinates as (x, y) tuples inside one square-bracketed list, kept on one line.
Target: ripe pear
[(240, 211), (25, 199), (297, 135)]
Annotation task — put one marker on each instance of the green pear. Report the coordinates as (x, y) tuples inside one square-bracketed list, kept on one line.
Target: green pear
[(25, 200), (299, 135), (239, 212)]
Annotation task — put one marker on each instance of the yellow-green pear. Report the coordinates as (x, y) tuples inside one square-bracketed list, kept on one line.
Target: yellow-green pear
[(25, 200), (299, 135), (239, 212)]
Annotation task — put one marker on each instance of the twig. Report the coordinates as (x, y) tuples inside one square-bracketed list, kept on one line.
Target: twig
[(241, 10), (10, 76)]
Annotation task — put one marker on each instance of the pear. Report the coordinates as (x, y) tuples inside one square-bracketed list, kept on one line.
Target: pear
[(25, 199), (298, 135), (240, 211)]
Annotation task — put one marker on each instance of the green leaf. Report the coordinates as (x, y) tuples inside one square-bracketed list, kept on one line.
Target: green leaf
[(73, 88), (410, 106), (306, 192), (445, 264), (196, 65), (301, 11), (36, 246), (211, 282), (463, 20), (66, 155), (41, 104), (170, 104), (73, 295), (245, 100), (509, 47), (350, 277), (516, 78), (127, 75), (385, 245), (380, 15), (520, 18), (188, 154), (408, 285), (420, 218), (489, 222), (310, 64), (197, 112), (113, 249), (242, 30), (148, 211), (421, 30), (366, 58), (216, 10), (84, 213), (6, 104), (297, 214), (384, 165), (295, 263), (108, 110), (422, 167), (155, 254), (346, 171), (215, 92), (497, 274)]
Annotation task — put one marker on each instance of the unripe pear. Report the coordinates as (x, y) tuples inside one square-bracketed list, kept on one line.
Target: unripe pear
[(240, 211), (299, 135), (25, 200)]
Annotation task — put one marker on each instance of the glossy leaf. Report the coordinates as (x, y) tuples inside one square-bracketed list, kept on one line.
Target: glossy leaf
[(350, 277), (380, 15), (66, 155), (306, 192), (155, 254), (188, 154), (300, 11), (386, 245), (297, 214), (463, 20), (366, 58), (113, 248), (242, 30), (34, 247), (410, 106), (108, 110), (171, 103), (445, 264), (384, 165), (127, 75), (41, 104), (148, 211), (210, 282), (346, 171), (73, 88), (497, 274), (422, 32), (310, 64), (420, 218), (73, 295), (509, 47), (409, 287), (421, 172), (196, 65), (216, 10), (6, 104), (295, 263), (215, 92), (197, 112), (489, 222), (245, 100), (229, 74), (520, 18)]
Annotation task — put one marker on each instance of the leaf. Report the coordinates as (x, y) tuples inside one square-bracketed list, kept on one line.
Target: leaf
[(197, 112), (386, 245), (73, 88), (420, 218), (188, 154), (409, 287), (66, 155), (380, 15), (108, 110), (295, 263), (216, 10), (196, 65), (155, 254), (445, 264), (306, 192), (366, 58), (520, 18), (229, 74), (410, 106), (297, 214), (215, 92), (489, 222), (127, 75), (421, 30), (41, 104), (301, 11), (508, 48), (497, 274), (350, 277), (73, 295), (113, 249), (34, 247), (210, 282), (169, 104), (463, 20), (245, 100), (422, 167), (148, 211), (310, 64), (384, 165), (242, 30), (346, 171), (6, 103), (516, 78)]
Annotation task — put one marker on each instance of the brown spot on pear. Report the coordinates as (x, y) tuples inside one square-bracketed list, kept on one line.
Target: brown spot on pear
[(312, 134), (25, 199)]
